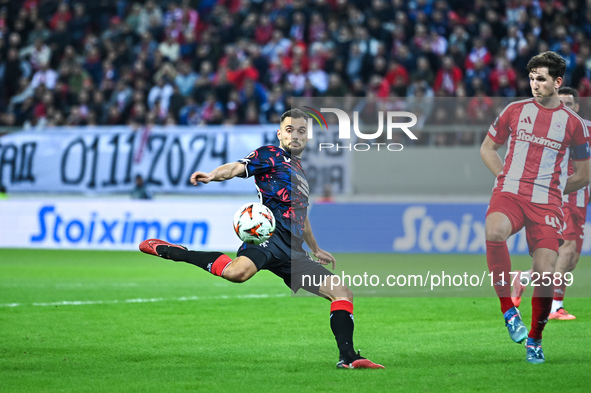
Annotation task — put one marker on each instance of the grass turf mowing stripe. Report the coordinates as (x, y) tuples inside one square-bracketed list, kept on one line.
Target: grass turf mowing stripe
[(152, 300)]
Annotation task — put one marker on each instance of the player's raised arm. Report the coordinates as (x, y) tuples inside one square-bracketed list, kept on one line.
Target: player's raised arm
[(324, 257), (221, 173), (490, 155)]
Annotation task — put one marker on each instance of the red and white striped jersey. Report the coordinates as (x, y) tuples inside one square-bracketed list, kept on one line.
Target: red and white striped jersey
[(538, 139), (580, 197)]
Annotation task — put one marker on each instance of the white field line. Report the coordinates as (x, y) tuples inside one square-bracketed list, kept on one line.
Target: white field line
[(145, 300)]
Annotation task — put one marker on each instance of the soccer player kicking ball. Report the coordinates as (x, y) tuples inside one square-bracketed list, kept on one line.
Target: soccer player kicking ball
[(529, 188), (575, 214), (283, 188)]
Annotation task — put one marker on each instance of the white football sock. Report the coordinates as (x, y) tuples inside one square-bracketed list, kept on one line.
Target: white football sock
[(556, 304)]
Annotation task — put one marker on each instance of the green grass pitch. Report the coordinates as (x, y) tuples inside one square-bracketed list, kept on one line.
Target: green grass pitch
[(80, 321)]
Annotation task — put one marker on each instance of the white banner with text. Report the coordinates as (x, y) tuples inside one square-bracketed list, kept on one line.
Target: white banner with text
[(100, 160)]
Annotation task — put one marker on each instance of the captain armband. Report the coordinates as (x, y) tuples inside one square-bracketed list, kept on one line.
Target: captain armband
[(580, 152)]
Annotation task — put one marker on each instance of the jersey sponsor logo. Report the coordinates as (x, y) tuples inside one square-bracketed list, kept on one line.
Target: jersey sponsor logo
[(524, 136)]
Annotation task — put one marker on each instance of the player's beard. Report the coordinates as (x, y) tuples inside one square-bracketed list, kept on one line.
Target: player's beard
[(294, 151)]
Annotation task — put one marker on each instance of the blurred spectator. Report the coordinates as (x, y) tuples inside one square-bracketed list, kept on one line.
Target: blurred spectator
[(397, 73), (297, 80), (188, 46), (170, 49), (448, 77), (423, 71), (176, 102), (477, 76), (120, 97), (38, 53), (273, 109), (513, 43), (189, 114), (160, 94), (502, 78), (44, 76), (185, 79), (459, 39), (318, 77), (62, 15), (277, 46), (149, 15), (79, 24), (40, 32), (133, 20), (264, 30), (12, 70), (478, 54), (140, 191), (79, 79), (336, 88)]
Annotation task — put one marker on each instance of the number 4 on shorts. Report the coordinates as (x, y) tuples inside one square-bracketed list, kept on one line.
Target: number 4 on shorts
[(552, 221)]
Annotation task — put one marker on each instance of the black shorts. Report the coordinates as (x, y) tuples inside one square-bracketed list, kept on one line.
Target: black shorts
[(292, 264)]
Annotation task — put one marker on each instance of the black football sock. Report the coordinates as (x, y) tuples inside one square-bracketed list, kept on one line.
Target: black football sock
[(341, 323), (203, 259)]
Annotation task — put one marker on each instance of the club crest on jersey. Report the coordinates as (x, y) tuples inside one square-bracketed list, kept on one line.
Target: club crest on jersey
[(558, 126)]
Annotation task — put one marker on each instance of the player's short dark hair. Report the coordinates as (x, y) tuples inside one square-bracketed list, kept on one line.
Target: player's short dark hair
[(569, 91), (294, 114), (553, 61)]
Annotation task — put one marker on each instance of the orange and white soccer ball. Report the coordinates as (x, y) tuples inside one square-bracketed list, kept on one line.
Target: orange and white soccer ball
[(254, 223)]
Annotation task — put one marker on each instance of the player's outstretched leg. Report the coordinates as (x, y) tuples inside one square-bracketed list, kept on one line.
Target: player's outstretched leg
[(152, 246), (216, 263), (342, 326)]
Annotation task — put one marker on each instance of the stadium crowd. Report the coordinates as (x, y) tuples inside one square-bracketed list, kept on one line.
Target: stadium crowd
[(109, 62)]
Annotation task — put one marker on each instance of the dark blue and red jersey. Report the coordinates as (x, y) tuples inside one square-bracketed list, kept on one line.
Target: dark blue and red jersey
[(282, 185)]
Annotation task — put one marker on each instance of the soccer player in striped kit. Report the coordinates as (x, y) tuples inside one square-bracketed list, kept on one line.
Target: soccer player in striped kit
[(575, 215), (529, 187)]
